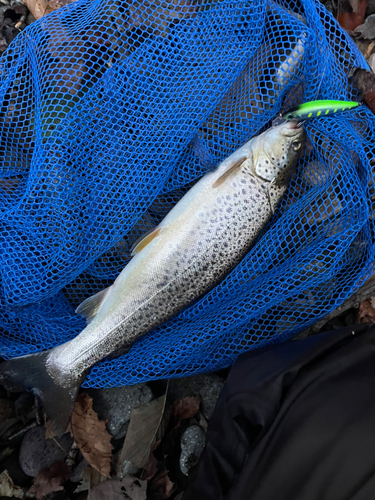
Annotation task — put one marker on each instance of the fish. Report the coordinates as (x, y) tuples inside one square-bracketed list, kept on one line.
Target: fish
[(199, 242), (315, 109)]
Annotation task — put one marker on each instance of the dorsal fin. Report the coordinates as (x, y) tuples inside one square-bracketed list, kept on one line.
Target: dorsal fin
[(89, 307), (229, 171), (144, 240)]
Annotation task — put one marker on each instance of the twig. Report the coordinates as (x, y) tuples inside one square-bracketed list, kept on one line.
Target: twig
[(23, 430), (52, 436), (367, 54)]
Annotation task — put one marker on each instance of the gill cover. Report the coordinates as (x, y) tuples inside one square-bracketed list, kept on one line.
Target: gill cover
[(277, 152)]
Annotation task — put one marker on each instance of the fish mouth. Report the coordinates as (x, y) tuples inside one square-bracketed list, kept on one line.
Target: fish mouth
[(289, 128)]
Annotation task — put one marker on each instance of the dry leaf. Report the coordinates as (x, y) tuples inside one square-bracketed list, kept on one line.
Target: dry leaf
[(365, 81), (142, 432), (5, 452), (50, 430), (130, 488), (40, 8), (162, 483), (184, 408), (150, 468), (8, 488), (371, 62), (350, 20), (366, 311), (202, 422), (91, 435), (50, 479)]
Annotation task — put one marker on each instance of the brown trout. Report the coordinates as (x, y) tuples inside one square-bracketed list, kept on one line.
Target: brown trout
[(198, 243)]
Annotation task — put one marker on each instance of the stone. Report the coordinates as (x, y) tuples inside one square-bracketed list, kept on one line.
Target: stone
[(193, 441), (207, 386), (38, 452), (77, 474), (11, 464), (116, 404), (6, 409)]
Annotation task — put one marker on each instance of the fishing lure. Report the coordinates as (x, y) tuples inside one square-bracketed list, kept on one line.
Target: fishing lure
[(314, 109)]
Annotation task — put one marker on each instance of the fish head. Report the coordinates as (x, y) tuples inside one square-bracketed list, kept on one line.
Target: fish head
[(276, 152)]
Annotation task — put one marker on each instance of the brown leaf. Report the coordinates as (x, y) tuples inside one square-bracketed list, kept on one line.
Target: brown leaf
[(162, 483), (8, 488), (350, 20), (50, 479), (91, 435), (118, 489), (50, 430), (150, 468), (366, 311), (141, 435), (182, 409), (40, 8)]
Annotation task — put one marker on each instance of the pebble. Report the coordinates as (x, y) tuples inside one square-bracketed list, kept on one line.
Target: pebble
[(30, 19), (193, 441), (56, 495), (11, 464), (37, 451), (77, 474), (126, 469), (24, 405), (6, 409), (208, 386), (116, 404)]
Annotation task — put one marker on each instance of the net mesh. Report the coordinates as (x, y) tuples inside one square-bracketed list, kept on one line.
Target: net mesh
[(111, 110)]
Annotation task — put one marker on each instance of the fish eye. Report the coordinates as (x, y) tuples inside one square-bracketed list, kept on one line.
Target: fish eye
[(296, 145)]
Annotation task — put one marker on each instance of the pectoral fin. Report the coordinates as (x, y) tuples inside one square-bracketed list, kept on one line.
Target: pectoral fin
[(229, 171), (144, 240)]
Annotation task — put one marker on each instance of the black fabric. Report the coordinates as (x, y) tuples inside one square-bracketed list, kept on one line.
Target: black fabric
[(295, 421)]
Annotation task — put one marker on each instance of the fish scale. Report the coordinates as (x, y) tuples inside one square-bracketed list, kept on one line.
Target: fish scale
[(198, 243)]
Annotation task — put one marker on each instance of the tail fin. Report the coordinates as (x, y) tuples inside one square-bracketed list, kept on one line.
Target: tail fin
[(30, 372)]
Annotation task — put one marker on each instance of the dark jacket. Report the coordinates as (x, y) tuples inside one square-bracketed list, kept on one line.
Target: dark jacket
[(295, 421)]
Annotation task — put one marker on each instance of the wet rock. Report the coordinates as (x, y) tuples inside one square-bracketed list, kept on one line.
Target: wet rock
[(30, 19), (207, 386), (24, 404), (12, 465), (370, 7), (123, 468), (77, 474), (116, 404), (126, 469), (192, 444), (6, 409), (37, 451), (56, 495)]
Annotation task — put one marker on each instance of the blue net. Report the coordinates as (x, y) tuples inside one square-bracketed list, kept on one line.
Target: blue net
[(111, 110)]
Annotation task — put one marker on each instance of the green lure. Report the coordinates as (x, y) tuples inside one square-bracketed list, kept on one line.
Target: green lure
[(314, 109)]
